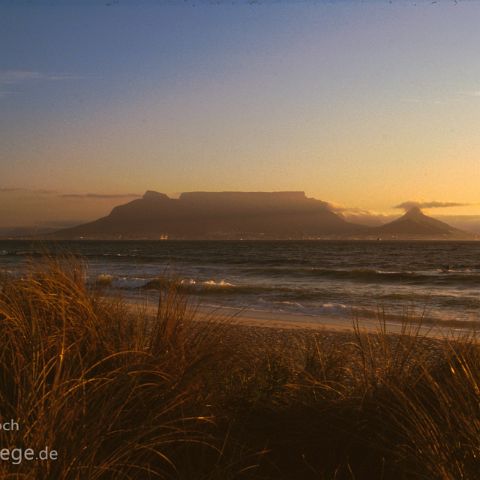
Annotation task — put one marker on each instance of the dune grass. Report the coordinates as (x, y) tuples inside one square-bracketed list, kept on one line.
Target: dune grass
[(124, 395)]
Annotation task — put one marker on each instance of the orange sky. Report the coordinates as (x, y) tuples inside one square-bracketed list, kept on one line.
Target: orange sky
[(363, 105)]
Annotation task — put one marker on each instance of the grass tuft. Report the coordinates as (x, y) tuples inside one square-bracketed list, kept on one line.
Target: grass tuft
[(122, 393)]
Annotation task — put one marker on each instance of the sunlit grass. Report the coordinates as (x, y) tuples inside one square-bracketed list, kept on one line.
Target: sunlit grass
[(124, 394)]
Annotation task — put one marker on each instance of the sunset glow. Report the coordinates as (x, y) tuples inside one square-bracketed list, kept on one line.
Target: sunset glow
[(363, 105)]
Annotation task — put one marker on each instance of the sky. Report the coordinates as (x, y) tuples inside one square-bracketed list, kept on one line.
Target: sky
[(366, 105)]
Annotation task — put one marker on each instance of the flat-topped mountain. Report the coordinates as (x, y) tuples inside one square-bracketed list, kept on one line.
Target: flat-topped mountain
[(218, 215), (248, 215)]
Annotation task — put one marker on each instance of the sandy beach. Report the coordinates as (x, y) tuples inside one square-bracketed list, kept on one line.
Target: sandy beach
[(317, 324)]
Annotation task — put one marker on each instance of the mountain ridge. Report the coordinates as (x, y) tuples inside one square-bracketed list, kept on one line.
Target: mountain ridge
[(247, 215), (414, 221)]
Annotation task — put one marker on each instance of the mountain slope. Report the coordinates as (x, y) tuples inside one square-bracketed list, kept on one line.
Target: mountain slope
[(415, 222), (218, 215)]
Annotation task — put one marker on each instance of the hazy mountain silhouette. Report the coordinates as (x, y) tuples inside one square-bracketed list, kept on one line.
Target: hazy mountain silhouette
[(415, 222), (219, 215), (254, 215)]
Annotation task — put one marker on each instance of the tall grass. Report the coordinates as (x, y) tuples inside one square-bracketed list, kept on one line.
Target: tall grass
[(88, 377), (124, 394)]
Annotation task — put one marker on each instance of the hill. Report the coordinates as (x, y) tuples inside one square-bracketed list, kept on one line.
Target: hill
[(416, 223)]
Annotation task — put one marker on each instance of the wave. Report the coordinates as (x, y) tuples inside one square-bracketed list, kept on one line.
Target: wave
[(289, 304), (104, 279), (426, 298), (207, 286), (220, 284), (340, 306), (300, 292), (329, 308), (438, 276)]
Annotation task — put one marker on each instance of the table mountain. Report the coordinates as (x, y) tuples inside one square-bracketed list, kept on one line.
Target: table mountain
[(197, 215)]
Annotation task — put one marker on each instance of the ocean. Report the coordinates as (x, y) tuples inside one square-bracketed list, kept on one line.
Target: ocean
[(319, 279)]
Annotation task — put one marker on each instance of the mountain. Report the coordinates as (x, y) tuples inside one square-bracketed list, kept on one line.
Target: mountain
[(223, 215), (248, 215), (416, 223)]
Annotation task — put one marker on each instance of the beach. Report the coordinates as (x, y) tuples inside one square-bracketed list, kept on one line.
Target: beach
[(182, 390), (282, 323)]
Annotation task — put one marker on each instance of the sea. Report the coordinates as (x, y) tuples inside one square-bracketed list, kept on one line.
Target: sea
[(437, 281)]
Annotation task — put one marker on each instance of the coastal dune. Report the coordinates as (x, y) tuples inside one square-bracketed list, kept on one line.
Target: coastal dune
[(120, 389)]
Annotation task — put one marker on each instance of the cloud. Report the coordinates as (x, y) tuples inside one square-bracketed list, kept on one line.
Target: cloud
[(38, 191), (100, 196), (412, 204), (11, 190), (358, 215), (10, 78), (471, 93), (348, 210), (41, 191), (428, 99), (341, 209)]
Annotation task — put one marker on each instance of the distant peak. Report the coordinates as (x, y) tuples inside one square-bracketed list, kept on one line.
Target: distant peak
[(151, 194), (414, 212)]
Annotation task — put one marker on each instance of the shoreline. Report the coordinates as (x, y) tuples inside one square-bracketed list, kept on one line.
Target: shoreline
[(309, 323)]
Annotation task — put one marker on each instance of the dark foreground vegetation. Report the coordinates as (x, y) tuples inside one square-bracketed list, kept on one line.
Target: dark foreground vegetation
[(122, 395)]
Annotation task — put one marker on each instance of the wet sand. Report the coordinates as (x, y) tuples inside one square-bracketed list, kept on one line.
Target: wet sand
[(306, 323)]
